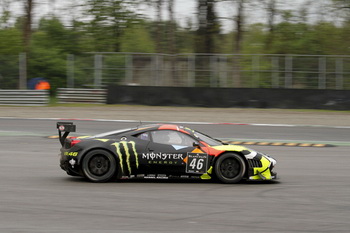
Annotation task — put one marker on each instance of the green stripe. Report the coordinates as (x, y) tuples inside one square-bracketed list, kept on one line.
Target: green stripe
[(125, 145), (135, 153), (119, 155)]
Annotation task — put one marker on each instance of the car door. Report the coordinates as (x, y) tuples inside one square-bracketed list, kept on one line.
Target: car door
[(167, 151)]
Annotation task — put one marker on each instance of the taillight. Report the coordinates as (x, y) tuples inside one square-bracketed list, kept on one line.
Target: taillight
[(74, 141)]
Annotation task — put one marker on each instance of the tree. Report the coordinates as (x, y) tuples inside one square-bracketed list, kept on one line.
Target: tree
[(137, 39), (271, 8), (171, 28), (27, 31), (208, 27), (110, 19), (342, 7), (159, 33), (5, 12), (239, 22)]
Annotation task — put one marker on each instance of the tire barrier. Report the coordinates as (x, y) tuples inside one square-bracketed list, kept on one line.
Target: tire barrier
[(81, 95), (24, 97)]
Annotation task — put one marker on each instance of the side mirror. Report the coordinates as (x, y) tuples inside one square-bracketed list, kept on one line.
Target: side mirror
[(196, 144)]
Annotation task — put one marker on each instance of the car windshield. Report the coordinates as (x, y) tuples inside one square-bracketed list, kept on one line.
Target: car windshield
[(110, 133), (207, 139)]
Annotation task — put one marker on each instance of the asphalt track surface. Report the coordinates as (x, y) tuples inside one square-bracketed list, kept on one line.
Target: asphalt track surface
[(312, 194)]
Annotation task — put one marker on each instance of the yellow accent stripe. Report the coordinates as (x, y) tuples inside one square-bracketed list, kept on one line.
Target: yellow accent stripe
[(102, 140), (291, 144), (206, 176)]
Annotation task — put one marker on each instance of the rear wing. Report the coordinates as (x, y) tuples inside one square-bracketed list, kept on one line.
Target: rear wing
[(65, 128)]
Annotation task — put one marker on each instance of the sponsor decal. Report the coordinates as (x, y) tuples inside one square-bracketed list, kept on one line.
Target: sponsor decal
[(72, 162), (196, 163), (126, 151), (73, 154), (162, 156)]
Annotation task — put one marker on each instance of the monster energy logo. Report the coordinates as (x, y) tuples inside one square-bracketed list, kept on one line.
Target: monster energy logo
[(126, 151)]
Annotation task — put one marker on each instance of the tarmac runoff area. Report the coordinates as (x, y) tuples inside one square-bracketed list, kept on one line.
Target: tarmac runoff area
[(183, 114), (195, 115)]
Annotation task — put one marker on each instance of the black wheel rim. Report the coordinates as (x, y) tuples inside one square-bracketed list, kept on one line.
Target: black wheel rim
[(230, 168), (99, 165)]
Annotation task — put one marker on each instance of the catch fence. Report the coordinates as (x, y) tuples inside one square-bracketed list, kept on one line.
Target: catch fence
[(98, 70)]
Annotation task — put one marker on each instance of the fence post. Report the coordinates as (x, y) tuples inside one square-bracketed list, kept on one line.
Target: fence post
[(322, 73), (191, 66), (22, 71), (339, 73), (223, 78), (70, 71), (156, 70), (129, 69), (213, 71), (288, 81), (275, 73), (98, 71), (256, 71)]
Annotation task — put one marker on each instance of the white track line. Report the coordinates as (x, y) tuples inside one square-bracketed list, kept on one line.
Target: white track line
[(179, 122)]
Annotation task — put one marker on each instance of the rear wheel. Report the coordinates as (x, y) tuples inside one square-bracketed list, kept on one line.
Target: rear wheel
[(99, 166), (230, 168)]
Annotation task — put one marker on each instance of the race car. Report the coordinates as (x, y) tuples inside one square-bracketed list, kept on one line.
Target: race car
[(160, 151)]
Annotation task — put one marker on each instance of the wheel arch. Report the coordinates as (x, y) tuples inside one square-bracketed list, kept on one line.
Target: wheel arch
[(236, 152), (97, 148)]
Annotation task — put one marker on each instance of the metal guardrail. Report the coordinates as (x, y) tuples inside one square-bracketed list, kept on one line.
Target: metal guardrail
[(76, 95), (24, 97)]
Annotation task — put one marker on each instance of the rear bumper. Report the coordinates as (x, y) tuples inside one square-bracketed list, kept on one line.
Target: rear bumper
[(69, 163)]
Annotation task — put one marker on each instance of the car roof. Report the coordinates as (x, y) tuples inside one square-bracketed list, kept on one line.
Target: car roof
[(145, 128), (174, 127)]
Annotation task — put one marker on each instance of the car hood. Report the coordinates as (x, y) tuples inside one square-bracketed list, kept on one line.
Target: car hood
[(247, 152)]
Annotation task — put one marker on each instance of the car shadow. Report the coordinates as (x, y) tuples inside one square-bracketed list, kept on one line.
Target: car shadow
[(174, 180)]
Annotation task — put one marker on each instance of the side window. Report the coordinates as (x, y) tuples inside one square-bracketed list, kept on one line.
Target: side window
[(144, 136), (171, 137)]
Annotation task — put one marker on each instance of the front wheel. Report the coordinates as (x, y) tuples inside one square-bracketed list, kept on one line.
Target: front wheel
[(99, 166), (230, 168)]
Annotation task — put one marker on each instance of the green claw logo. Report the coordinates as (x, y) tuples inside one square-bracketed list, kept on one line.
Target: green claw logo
[(125, 151)]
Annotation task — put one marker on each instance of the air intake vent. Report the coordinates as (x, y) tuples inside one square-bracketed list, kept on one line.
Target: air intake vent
[(254, 163)]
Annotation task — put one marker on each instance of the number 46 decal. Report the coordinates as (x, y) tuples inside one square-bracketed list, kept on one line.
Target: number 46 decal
[(197, 163)]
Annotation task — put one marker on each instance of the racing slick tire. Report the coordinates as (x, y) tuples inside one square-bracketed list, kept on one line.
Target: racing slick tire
[(230, 168), (99, 166)]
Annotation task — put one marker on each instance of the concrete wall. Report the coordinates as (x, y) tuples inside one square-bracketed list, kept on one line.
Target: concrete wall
[(230, 97)]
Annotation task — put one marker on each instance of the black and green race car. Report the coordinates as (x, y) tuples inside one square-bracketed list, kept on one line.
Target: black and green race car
[(160, 151)]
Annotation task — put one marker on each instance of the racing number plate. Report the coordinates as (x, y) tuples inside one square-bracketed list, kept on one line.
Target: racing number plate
[(197, 163)]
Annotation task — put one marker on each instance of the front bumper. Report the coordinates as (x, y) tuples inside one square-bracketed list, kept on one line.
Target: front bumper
[(265, 170)]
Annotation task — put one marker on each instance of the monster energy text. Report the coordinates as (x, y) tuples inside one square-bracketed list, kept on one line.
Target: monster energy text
[(162, 156)]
